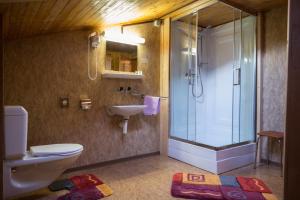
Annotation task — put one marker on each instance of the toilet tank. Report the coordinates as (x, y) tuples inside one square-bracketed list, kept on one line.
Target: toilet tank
[(15, 131)]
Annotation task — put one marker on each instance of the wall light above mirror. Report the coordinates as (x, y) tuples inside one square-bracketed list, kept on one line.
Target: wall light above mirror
[(114, 36)]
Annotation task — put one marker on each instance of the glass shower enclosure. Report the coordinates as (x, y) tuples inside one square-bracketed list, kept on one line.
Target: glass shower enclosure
[(213, 77)]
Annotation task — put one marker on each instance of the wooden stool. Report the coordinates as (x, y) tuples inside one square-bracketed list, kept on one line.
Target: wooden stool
[(270, 135)]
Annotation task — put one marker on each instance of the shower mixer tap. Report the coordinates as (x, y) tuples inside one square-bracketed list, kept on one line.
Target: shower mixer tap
[(190, 76)]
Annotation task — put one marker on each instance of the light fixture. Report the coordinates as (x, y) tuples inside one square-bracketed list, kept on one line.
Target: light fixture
[(114, 36)]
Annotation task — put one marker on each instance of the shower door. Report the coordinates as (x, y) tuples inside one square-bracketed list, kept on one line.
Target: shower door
[(183, 59), (244, 78), (212, 82)]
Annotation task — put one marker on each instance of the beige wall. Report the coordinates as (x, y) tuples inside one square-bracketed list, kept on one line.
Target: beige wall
[(274, 74), (41, 69)]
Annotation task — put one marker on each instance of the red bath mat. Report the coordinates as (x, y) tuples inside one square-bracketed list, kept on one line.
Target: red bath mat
[(87, 187), (192, 189), (253, 185), (88, 193), (86, 180), (209, 187), (236, 193), (269, 196)]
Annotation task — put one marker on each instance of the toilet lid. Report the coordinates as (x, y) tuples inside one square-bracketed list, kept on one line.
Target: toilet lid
[(55, 149)]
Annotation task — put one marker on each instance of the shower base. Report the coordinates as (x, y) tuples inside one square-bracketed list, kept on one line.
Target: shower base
[(215, 161)]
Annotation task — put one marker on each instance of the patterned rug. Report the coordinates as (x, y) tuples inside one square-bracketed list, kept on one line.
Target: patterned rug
[(213, 187), (83, 187)]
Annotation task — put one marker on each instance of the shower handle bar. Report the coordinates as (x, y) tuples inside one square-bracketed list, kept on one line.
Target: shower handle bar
[(236, 76)]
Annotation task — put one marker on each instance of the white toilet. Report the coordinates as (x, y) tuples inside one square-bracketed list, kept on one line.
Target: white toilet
[(25, 171)]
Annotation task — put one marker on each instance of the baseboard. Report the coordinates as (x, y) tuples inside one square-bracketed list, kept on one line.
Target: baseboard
[(105, 163)]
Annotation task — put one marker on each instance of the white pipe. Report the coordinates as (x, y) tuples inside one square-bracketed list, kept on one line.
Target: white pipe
[(125, 125)]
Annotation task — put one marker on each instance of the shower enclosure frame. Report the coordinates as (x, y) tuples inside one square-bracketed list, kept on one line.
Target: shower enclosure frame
[(250, 145)]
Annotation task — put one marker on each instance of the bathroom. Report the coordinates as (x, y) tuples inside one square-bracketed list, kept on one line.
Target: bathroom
[(66, 84)]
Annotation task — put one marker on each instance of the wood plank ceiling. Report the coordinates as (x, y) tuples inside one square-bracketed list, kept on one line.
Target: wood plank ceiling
[(216, 14), (256, 5), (24, 18)]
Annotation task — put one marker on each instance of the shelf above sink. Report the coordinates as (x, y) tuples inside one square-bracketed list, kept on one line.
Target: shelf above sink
[(122, 75)]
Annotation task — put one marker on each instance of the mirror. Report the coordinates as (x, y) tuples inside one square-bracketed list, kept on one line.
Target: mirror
[(121, 57)]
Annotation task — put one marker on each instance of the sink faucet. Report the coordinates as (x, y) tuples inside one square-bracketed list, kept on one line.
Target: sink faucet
[(124, 89), (130, 90)]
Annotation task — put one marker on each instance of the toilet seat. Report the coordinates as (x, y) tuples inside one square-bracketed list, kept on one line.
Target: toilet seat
[(46, 153), (55, 150), (29, 158)]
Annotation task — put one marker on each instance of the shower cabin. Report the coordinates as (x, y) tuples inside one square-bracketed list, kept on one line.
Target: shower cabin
[(213, 88)]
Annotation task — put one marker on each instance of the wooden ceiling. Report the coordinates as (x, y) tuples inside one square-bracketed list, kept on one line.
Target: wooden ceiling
[(34, 17), (216, 14), (24, 18), (256, 5)]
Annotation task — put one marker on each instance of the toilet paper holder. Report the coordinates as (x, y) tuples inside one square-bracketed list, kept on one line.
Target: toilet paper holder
[(85, 104)]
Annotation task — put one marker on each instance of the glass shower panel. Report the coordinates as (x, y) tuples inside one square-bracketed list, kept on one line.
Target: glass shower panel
[(201, 85), (214, 109), (192, 76), (248, 79), (244, 70), (236, 97), (212, 82), (182, 58)]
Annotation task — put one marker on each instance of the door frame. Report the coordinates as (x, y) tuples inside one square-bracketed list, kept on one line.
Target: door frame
[(1, 106), (292, 137)]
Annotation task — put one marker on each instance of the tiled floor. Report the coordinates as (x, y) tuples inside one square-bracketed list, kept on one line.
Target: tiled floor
[(150, 178)]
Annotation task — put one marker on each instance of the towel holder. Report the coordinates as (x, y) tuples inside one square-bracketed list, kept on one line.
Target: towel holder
[(143, 96), (135, 93)]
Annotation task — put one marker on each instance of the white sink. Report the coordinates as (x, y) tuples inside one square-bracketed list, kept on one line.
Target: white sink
[(126, 111)]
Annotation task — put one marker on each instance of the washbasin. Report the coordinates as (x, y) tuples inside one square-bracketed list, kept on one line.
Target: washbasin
[(126, 110)]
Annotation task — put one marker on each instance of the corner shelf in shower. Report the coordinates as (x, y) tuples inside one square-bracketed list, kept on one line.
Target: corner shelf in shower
[(121, 75)]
